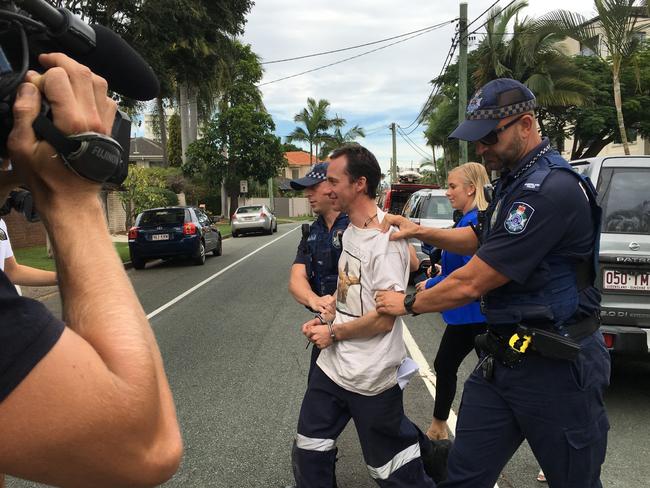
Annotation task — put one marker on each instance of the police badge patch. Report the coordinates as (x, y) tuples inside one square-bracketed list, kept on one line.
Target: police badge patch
[(518, 217), (475, 103)]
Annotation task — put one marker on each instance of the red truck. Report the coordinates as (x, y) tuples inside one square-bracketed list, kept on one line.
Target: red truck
[(393, 198)]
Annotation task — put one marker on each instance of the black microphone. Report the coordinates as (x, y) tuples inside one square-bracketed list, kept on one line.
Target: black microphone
[(95, 46)]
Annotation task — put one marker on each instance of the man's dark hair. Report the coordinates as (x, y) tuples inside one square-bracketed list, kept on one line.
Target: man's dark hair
[(360, 162)]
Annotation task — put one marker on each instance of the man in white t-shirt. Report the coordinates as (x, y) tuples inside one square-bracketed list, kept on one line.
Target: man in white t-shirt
[(356, 373)]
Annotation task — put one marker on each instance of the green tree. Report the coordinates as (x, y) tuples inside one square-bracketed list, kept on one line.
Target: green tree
[(339, 138), (146, 188), (619, 37), (174, 149), (316, 121), (239, 142), (531, 55)]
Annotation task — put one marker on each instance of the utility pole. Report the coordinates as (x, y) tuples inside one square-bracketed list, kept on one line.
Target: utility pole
[(393, 166), (462, 78)]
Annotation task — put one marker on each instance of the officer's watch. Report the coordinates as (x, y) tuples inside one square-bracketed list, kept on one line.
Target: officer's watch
[(409, 301)]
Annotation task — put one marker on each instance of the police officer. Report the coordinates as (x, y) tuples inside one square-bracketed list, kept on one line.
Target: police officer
[(315, 270), (544, 365)]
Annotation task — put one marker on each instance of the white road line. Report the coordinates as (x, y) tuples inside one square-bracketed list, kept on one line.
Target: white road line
[(427, 375), (209, 279)]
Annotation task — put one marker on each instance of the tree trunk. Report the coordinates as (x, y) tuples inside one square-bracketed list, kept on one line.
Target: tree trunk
[(183, 108), (311, 149), (233, 193), (616, 68), (192, 97), (163, 129)]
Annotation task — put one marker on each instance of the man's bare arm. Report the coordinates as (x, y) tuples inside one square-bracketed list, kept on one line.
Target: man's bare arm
[(22, 275), (463, 286), (301, 290), (97, 410), (461, 240)]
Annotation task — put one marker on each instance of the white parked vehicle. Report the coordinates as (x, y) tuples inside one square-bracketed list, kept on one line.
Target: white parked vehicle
[(253, 218)]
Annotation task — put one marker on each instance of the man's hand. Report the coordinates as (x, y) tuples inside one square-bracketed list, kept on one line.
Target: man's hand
[(390, 303), (407, 229), (324, 305), (79, 104), (317, 333)]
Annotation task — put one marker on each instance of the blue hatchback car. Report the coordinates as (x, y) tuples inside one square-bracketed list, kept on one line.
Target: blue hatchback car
[(173, 232)]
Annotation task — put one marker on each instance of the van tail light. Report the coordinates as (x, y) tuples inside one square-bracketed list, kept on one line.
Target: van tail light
[(609, 340), (133, 233), (233, 217), (189, 229), (263, 215)]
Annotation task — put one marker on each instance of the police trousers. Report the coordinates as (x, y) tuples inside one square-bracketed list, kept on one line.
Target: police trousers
[(556, 405), (389, 441)]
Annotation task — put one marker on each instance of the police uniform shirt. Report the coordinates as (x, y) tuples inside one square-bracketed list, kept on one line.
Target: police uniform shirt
[(529, 225), (28, 331), (335, 235)]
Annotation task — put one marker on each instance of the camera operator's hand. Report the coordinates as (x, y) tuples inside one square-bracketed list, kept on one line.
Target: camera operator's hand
[(79, 103), (97, 409)]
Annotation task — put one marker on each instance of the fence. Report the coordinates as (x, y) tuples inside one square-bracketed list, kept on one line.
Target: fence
[(284, 207)]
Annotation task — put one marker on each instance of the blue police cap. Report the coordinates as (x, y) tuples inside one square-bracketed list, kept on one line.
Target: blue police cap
[(494, 101), (316, 175)]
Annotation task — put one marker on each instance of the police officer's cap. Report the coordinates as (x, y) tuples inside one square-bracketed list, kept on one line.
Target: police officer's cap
[(316, 175), (494, 101)]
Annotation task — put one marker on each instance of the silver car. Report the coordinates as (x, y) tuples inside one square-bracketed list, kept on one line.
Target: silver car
[(623, 184), (253, 218), (428, 208)]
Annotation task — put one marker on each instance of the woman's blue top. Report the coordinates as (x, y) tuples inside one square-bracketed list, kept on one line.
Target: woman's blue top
[(450, 262)]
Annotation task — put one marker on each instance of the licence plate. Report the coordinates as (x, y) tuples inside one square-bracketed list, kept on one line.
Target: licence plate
[(160, 237), (618, 280)]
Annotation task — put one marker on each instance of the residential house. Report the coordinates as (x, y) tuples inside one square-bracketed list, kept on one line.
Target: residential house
[(298, 165)]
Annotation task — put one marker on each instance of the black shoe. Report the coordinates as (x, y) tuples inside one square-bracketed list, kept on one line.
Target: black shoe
[(435, 460)]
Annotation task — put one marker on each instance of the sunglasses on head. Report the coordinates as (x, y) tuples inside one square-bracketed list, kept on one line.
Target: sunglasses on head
[(492, 137)]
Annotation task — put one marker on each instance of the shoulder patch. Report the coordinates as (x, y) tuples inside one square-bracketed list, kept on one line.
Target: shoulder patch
[(337, 239), (518, 217)]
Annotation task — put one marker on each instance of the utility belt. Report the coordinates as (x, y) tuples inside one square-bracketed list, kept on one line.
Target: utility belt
[(510, 350)]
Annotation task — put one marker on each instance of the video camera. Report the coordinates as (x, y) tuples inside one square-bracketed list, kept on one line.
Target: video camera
[(29, 28)]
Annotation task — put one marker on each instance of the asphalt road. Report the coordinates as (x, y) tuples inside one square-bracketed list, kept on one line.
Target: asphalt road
[(237, 365)]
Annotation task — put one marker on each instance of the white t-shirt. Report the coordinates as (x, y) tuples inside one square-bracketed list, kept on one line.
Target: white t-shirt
[(5, 245), (369, 263)]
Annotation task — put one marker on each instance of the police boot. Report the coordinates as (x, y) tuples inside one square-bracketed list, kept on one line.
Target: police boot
[(435, 459)]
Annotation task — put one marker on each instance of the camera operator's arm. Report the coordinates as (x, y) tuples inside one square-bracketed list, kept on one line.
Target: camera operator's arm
[(461, 240), (28, 276), (97, 409)]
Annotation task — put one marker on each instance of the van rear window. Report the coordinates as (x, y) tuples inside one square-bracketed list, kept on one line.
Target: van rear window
[(625, 200), (437, 207)]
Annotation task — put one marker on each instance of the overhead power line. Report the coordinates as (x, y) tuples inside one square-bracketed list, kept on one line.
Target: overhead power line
[(492, 17), (357, 56), (359, 45), (413, 145), (436, 89), (483, 13)]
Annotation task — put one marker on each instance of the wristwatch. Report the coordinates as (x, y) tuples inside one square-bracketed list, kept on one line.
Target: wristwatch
[(409, 301)]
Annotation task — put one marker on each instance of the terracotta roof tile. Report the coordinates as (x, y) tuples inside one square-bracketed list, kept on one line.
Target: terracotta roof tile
[(300, 158)]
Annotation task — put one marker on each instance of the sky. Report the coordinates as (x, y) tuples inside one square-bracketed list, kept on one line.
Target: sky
[(372, 91)]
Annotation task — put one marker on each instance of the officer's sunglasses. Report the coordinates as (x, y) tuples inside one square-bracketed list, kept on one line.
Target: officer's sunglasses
[(492, 137)]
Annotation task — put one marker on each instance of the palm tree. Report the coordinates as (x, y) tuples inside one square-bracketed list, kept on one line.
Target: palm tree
[(338, 139), (531, 55), (317, 122), (621, 34)]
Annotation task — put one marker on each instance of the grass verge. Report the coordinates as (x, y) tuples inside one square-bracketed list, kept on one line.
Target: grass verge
[(36, 256)]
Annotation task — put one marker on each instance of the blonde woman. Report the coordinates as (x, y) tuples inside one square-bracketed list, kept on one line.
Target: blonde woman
[(465, 193)]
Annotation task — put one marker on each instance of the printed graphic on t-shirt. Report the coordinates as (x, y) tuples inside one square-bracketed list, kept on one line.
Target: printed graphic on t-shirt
[(349, 290)]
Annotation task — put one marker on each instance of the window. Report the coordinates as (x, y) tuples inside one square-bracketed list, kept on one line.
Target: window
[(295, 174), (249, 210), (585, 49), (437, 207), (410, 206), (153, 218), (625, 200)]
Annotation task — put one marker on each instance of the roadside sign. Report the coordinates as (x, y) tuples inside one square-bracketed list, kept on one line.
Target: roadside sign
[(243, 186)]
